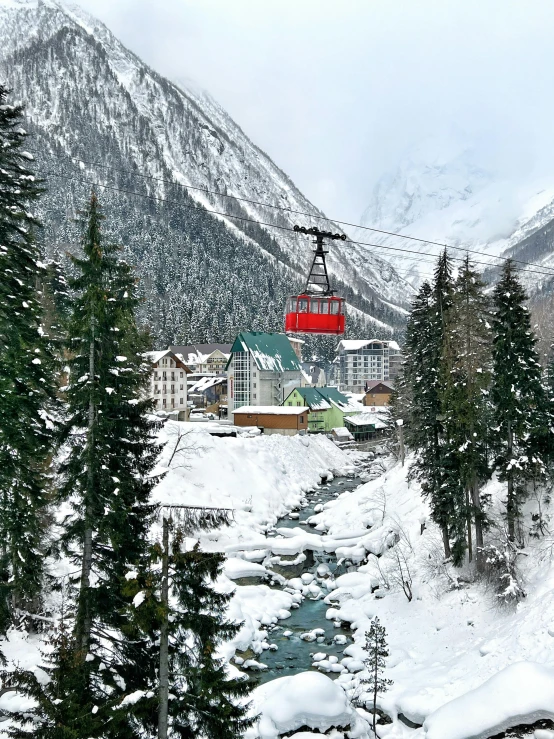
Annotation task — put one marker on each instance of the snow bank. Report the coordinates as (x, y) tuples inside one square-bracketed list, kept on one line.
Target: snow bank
[(519, 694), (307, 699), (260, 478), (236, 568)]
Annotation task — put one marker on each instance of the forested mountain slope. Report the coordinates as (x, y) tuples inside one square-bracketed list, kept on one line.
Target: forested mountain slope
[(203, 277)]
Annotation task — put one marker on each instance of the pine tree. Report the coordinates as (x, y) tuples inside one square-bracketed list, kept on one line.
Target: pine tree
[(516, 393), (105, 483), (427, 348), (181, 611), (27, 377), (377, 652), (466, 378)]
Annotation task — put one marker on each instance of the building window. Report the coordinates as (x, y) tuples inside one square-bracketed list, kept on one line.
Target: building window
[(180, 387), (181, 375), (180, 401), (241, 371), (164, 402), (173, 402), (297, 402), (165, 389), (301, 419)]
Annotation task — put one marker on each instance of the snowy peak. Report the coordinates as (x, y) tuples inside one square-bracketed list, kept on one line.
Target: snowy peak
[(432, 177), (456, 191)]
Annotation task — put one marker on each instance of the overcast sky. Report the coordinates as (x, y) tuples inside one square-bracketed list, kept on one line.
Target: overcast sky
[(336, 91)]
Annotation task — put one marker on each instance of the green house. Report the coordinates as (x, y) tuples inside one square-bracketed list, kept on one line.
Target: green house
[(327, 407)]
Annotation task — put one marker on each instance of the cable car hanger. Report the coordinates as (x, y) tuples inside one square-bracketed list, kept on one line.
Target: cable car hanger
[(317, 310)]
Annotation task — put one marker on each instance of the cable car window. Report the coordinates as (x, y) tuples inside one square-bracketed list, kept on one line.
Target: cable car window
[(303, 305), (292, 305), (334, 307), (314, 306), (324, 306)]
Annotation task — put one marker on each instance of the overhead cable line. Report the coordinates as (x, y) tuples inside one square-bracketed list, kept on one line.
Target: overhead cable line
[(202, 208), (304, 213)]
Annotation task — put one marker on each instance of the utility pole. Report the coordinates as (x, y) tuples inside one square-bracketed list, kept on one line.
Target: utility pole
[(400, 430)]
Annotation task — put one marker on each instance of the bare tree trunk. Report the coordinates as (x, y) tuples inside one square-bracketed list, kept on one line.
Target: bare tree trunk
[(479, 543), (375, 675), (446, 542), (163, 708), (510, 502), (84, 618), (469, 537)]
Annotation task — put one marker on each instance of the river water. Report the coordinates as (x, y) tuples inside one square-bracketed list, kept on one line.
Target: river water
[(293, 654)]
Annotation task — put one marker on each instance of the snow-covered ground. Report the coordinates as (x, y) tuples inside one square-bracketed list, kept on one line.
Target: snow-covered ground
[(463, 666)]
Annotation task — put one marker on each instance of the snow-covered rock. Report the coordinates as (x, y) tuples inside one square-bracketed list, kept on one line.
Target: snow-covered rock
[(519, 694), (307, 699)]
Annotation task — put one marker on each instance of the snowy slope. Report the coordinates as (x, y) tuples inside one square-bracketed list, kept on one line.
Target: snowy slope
[(88, 96), (446, 189)]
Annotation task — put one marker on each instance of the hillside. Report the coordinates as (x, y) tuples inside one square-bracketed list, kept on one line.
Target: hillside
[(203, 276)]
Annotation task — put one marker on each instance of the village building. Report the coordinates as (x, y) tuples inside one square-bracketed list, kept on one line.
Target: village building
[(327, 407), (378, 392), (262, 371), (168, 383), (204, 359), (365, 426), (272, 419), (360, 361)]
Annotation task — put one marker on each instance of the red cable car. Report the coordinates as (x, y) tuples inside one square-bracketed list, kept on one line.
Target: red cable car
[(317, 310)]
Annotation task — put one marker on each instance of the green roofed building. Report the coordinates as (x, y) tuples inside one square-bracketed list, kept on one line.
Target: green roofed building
[(327, 407), (262, 371)]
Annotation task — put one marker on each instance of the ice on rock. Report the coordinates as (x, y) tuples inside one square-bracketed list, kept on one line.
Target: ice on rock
[(318, 656), (323, 570), (282, 614), (521, 693), (340, 639), (287, 633), (236, 568), (307, 578)]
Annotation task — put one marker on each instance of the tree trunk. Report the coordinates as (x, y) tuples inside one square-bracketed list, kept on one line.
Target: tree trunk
[(479, 543), (401, 443), (510, 502), (375, 675), (163, 708), (469, 537), (446, 542), (84, 616)]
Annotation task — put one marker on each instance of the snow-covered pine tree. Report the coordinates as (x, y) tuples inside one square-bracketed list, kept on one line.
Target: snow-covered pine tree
[(106, 482), (374, 682), (27, 376), (187, 618), (426, 342), (466, 379), (516, 393)]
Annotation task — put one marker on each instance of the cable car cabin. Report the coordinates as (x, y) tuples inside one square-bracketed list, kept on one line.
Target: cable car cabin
[(314, 314)]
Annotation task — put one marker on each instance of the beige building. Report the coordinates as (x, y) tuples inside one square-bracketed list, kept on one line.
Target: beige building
[(168, 383)]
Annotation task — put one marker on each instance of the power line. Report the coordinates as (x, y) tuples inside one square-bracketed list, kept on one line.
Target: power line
[(269, 225), (310, 215)]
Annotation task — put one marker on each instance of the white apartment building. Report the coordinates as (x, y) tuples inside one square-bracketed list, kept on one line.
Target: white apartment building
[(364, 360), (168, 382), (204, 358), (262, 371)]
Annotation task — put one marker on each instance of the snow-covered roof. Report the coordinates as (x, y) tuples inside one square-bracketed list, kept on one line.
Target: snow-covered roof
[(276, 410), (341, 431), (352, 345), (205, 383), (157, 356), (366, 419), (271, 351)]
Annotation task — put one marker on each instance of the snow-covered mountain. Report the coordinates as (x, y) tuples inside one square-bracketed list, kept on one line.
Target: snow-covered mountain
[(203, 276), (450, 189)]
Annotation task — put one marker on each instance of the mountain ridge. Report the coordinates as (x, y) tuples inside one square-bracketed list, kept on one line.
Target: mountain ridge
[(87, 94)]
